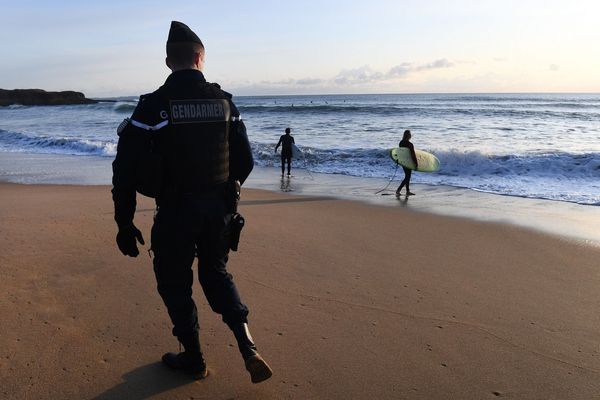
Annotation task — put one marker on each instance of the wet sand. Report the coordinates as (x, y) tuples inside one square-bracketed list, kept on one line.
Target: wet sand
[(576, 221), (347, 300), (559, 218)]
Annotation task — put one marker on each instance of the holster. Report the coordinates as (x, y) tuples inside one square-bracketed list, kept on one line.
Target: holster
[(232, 199), (236, 226)]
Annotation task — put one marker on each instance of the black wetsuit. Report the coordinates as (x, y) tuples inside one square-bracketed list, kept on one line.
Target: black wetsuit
[(196, 129), (407, 171), (286, 151)]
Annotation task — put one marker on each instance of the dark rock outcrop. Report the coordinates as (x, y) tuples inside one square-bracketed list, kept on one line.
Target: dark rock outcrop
[(39, 97)]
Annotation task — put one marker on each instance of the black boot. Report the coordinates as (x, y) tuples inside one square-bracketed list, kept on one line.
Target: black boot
[(190, 360), (257, 367)]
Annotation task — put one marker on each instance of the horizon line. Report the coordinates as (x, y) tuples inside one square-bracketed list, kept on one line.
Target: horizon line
[(379, 94)]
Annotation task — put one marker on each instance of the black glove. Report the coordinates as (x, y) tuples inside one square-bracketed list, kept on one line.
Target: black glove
[(126, 240)]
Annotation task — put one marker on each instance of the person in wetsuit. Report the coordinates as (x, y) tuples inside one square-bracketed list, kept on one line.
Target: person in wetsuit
[(194, 128), (286, 141), (405, 142)]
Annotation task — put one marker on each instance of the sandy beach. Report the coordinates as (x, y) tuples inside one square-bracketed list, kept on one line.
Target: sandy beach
[(347, 301)]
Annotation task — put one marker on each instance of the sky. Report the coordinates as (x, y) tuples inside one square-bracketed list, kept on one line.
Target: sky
[(117, 48)]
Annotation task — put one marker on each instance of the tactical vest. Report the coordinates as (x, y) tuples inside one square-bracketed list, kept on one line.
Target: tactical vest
[(195, 145)]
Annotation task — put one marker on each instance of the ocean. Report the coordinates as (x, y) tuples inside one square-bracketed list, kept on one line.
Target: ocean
[(540, 146)]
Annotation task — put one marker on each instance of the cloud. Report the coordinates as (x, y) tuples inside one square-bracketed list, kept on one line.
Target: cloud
[(437, 64), (309, 81), (365, 75), (285, 82), (399, 71), (360, 78), (404, 69)]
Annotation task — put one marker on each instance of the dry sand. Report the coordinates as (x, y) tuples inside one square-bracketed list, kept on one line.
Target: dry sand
[(347, 301)]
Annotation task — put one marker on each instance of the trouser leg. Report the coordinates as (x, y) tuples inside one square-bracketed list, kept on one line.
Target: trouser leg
[(289, 165), (282, 165), (174, 254), (174, 251), (220, 290), (217, 283)]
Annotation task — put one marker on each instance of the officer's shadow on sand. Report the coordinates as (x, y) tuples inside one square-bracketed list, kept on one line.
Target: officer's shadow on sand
[(145, 382)]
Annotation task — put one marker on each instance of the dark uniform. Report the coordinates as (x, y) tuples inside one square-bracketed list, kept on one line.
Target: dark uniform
[(192, 129)]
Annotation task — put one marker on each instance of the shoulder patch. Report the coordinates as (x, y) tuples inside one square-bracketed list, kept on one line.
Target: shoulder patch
[(151, 112)]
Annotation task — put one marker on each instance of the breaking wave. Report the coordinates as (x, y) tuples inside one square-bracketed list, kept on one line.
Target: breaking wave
[(19, 142)]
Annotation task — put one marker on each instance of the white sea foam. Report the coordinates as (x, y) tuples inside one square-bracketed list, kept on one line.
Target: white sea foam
[(543, 146), (18, 142)]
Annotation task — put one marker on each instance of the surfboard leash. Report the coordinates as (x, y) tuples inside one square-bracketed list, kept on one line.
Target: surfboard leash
[(391, 180)]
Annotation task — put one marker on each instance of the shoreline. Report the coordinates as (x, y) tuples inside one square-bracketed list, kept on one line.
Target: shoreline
[(571, 221), (341, 293)]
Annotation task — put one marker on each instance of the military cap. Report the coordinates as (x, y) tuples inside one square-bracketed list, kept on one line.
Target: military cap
[(180, 33)]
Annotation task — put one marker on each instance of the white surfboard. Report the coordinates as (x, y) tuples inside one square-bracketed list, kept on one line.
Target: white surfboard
[(296, 152)]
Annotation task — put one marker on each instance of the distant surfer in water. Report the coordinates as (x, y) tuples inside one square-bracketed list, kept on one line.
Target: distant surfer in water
[(286, 142), (405, 142)]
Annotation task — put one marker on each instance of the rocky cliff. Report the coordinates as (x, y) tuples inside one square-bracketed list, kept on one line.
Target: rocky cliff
[(39, 97)]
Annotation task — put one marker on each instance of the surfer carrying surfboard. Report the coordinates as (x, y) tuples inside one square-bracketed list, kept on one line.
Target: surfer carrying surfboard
[(286, 142), (405, 142)]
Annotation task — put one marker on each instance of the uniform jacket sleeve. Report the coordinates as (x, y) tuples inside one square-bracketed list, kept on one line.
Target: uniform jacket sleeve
[(241, 161), (123, 191), (131, 140)]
